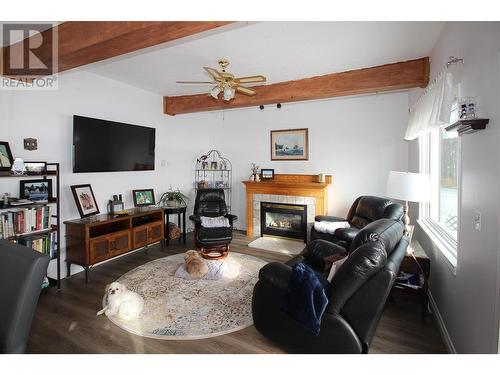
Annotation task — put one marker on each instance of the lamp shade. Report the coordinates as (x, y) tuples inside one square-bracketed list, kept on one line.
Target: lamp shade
[(406, 186)]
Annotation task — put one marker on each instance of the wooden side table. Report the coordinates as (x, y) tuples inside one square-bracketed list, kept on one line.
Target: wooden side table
[(179, 211), (416, 261)]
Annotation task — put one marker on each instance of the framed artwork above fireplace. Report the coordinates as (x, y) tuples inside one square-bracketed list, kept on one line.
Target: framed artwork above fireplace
[(290, 144)]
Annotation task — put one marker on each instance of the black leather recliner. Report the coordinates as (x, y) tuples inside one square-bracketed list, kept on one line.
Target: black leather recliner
[(363, 211), (357, 293), (211, 203), (21, 275)]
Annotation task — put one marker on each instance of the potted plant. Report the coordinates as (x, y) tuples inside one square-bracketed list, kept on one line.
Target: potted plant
[(173, 198)]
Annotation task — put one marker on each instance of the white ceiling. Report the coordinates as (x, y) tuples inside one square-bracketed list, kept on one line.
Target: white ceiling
[(279, 50)]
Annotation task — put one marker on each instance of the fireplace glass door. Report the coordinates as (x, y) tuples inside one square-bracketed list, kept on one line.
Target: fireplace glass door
[(284, 220)]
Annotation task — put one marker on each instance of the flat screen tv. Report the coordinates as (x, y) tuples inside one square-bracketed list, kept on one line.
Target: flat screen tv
[(108, 146)]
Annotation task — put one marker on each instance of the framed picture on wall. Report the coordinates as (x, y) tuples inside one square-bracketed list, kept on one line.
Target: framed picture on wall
[(143, 197), (85, 200), (290, 144)]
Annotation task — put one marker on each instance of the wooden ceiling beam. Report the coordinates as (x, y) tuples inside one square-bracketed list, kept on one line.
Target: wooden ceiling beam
[(87, 42), (389, 77)]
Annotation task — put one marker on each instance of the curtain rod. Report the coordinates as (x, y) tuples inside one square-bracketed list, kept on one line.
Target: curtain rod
[(454, 60)]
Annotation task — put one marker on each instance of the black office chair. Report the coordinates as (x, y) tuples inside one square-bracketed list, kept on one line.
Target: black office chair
[(21, 275), (211, 203)]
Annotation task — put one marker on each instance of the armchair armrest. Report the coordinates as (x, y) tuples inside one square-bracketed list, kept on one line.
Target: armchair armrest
[(317, 250), (195, 218), (231, 218), (328, 218), (276, 275), (347, 234)]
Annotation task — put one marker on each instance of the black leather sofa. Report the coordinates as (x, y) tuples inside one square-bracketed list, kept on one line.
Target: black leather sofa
[(211, 203), (363, 211), (21, 275), (357, 293)]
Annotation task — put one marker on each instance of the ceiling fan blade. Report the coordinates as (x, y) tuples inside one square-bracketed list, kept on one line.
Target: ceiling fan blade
[(213, 73), (196, 82), (251, 79), (245, 90)]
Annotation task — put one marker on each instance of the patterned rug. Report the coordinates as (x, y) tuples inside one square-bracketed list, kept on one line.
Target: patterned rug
[(178, 309)]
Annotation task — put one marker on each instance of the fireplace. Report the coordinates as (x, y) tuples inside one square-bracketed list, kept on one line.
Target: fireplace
[(284, 220)]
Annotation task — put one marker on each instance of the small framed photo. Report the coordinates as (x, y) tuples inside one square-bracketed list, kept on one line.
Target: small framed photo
[(204, 165), (6, 159), (143, 197), (35, 167), (290, 144), (468, 108), (220, 184), (266, 174), (35, 190), (213, 165), (85, 200)]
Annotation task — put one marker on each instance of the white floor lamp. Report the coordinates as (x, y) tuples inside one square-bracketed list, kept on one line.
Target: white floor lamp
[(408, 187)]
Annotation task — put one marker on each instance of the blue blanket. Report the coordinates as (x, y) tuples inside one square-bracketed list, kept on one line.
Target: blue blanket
[(305, 299)]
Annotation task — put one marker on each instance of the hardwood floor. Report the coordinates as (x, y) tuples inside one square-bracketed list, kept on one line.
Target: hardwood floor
[(65, 321)]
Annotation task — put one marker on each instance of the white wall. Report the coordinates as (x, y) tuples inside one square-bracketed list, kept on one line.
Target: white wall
[(468, 302), (47, 116), (357, 140)]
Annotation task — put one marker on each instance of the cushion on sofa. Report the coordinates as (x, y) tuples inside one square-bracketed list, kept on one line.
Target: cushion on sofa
[(330, 226)]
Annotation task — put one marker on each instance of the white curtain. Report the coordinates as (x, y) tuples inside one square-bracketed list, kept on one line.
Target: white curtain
[(432, 110)]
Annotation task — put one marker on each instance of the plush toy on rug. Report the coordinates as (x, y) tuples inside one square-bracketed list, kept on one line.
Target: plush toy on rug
[(195, 267), (194, 264), (120, 302)]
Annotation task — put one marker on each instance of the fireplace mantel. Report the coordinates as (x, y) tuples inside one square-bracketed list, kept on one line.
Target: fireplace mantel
[(302, 185)]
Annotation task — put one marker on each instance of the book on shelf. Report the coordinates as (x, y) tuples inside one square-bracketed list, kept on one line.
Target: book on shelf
[(45, 244), (22, 221)]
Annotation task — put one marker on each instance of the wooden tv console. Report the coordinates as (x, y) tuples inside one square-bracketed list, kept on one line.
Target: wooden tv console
[(97, 238)]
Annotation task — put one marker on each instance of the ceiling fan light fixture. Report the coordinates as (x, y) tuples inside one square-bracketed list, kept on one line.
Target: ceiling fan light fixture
[(215, 91), (228, 93), (226, 83)]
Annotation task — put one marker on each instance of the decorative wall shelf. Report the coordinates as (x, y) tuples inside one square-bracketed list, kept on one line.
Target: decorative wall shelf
[(468, 126), (212, 170)]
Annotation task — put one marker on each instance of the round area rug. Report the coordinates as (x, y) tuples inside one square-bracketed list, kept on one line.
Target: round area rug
[(179, 309)]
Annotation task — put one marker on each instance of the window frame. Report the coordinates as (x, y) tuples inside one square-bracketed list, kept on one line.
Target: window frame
[(444, 241)]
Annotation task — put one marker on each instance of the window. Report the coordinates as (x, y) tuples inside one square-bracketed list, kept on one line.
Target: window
[(448, 181), (439, 156)]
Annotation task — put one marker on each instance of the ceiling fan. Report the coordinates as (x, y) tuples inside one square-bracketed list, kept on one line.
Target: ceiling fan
[(226, 83)]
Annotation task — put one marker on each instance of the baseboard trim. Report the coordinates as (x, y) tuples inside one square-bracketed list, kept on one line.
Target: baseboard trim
[(442, 327)]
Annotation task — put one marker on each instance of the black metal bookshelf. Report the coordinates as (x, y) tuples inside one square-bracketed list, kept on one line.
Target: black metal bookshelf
[(53, 171)]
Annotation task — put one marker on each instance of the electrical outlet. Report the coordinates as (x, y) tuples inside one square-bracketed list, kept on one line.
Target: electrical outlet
[(477, 221)]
